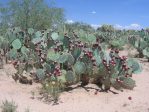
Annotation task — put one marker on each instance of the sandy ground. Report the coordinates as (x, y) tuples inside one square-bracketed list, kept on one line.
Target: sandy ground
[(78, 100)]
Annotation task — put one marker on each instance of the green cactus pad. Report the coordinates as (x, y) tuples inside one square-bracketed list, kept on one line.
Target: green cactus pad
[(54, 36), (16, 44), (66, 42), (63, 58), (12, 54), (116, 84), (70, 59), (30, 31), (91, 38), (62, 77), (70, 76), (24, 50), (66, 57), (40, 74), (142, 44), (128, 83), (76, 53), (97, 57), (38, 34), (135, 65), (79, 68), (61, 37), (146, 52), (36, 40), (53, 56), (17, 29), (47, 67), (4, 44)]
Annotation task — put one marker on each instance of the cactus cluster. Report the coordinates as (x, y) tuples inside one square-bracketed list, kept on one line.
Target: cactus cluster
[(141, 43), (58, 60)]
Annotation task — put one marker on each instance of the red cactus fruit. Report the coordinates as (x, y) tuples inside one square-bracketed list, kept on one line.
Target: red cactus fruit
[(14, 63), (55, 49), (111, 51), (117, 51), (81, 57), (117, 79), (94, 64), (124, 65), (129, 98), (97, 39), (104, 60), (93, 59), (126, 68)]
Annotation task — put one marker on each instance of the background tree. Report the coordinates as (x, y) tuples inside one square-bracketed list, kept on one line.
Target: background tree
[(30, 13)]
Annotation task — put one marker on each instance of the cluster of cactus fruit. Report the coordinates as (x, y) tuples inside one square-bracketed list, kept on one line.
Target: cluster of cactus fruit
[(58, 61)]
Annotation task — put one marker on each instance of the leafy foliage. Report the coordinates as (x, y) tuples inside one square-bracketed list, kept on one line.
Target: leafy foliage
[(33, 14)]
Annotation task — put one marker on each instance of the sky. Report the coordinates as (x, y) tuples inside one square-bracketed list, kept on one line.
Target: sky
[(128, 14), (122, 14)]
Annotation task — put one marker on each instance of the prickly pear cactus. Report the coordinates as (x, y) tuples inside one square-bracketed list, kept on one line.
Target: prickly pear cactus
[(62, 59)]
